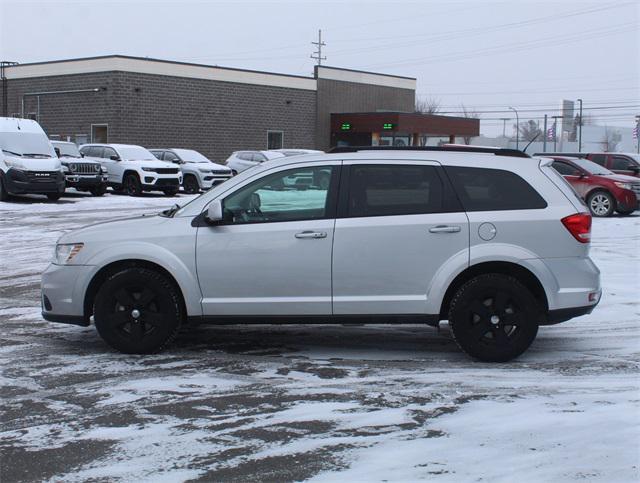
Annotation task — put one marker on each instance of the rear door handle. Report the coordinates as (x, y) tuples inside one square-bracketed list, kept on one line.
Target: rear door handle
[(311, 234), (444, 229)]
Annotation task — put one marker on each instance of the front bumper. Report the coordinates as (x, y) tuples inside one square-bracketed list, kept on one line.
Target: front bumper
[(210, 181), (63, 290), (19, 182), (151, 182), (84, 181), (628, 201)]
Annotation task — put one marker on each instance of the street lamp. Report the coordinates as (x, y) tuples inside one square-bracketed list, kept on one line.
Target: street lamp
[(517, 128), (580, 128)]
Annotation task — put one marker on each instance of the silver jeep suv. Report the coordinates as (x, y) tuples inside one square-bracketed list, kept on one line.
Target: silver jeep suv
[(491, 240)]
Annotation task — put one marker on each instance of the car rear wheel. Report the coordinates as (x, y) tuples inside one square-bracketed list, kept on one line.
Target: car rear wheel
[(4, 194), (190, 184), (494, 318), (137, 311), (132, 185), (601, 204)]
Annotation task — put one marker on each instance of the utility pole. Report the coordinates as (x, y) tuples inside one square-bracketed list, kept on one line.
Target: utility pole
[(517, 128), (317, 55), (504, 124), (544, 138), (580, 128)]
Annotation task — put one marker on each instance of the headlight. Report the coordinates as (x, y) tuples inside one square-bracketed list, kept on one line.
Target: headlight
[(14, 164), (103, 169), (148, 169), (624, 186), (66, 252), (73, 167)]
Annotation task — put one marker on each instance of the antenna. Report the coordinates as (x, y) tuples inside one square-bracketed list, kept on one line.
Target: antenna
[(318, 53)]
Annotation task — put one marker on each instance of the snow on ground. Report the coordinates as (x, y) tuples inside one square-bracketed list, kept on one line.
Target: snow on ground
[(319, 403)]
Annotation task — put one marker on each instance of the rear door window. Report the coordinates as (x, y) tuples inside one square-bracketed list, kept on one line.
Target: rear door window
[(620, 163), (598, 158), (108, 152), (386, 190), (484, 189)]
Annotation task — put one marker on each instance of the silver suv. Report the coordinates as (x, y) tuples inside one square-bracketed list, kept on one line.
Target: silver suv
[(493, 241)]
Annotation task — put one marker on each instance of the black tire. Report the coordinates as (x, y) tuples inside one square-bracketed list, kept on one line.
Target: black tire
[(190, 184), (54, 196), (171, 191), (158, 307), (234, 172), (625, 212), (4, 194), (601, 204), (132, 185), (98, 190), (494, 317)]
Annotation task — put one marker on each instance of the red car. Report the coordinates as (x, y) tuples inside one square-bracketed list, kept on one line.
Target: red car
[(619, 163), (603, 190)]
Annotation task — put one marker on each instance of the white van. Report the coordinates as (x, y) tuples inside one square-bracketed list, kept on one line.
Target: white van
[(28, 163)]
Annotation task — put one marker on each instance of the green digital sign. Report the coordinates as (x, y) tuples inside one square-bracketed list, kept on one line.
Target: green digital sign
[(388, 126), (345, 126)]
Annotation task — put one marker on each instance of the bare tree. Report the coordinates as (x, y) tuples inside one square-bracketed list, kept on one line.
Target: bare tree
[(470, 113), (430, 105), (610, 140), (529, 130), (586, 119)]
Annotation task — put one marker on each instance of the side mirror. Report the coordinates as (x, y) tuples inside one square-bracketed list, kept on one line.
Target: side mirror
[(634, 168), (214, 212), (82, 155), (57, 150), (114, 157)]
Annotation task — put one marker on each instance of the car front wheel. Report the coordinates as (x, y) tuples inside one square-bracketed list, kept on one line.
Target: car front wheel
[(190, 185), (601, 204), (494, 318), (137, 311), (132, 185)]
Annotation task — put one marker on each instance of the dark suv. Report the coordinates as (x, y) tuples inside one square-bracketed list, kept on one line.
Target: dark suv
[(79, 173)]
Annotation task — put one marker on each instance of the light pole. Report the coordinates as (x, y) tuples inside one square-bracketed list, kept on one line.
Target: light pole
[(517, 128), (555, 130), (580, 128)]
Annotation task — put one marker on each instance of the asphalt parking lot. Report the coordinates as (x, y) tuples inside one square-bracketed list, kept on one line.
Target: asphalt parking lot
[(298, 402)]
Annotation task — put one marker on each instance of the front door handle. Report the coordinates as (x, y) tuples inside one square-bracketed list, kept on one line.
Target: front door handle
[(444, 229), (311, 234)]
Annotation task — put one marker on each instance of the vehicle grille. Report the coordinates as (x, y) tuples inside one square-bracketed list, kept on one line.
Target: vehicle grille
[(221, 171), (635, 187), (166, 170), (84, 168), (167, 182), (43, 176)]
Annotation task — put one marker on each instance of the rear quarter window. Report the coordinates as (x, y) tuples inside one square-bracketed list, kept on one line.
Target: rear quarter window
[(484, 189)]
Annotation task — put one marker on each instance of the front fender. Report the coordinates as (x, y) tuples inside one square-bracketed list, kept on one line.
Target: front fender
[(183, 271)]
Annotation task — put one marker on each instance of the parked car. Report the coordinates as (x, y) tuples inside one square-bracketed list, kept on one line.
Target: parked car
[(620, 163), (399, 236), (603, 190), (241, 160), (198, 172), (134, 169), (28, 163), (81, 174), (296, 152)]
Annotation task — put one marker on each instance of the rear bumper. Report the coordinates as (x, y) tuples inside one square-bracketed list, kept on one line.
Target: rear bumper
[(562, 315)]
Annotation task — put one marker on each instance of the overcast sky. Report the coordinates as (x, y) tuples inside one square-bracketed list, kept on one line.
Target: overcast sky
[(485, 55)]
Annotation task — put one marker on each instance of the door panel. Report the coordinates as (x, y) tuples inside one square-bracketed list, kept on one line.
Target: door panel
[(272, 254)]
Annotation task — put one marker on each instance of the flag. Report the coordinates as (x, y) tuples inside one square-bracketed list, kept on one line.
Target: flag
[(551, 133)]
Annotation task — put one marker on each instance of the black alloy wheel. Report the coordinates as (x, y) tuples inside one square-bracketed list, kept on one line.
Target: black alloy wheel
[(190, 184), (494, 317), (132, 185), (137, 311)]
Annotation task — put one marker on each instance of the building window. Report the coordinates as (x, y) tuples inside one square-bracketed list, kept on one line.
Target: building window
[(275, 139), (99, 133)]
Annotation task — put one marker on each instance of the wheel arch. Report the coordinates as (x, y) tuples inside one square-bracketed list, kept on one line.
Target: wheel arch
[(522, 274), (114, 267)]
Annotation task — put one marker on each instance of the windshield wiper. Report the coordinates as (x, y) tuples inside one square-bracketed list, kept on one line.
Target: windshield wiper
[(12, 152), (171, 211)]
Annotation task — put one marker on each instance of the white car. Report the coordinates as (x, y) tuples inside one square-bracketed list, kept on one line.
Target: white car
[(241, 160), (28, 163), (198, 172), (134, 169)]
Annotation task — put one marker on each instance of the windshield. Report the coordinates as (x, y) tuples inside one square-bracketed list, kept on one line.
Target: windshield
[(137, 153), (191, 156), (68, 150), (591, 167), (273, 154), (26, 144)]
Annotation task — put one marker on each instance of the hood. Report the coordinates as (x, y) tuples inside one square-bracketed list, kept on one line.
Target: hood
[(622, 178), (32, 164), (148, 163), (65, 160), (208, 165), (114, 230)]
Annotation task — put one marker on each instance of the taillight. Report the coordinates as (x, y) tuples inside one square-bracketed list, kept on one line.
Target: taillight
[(579, 225)]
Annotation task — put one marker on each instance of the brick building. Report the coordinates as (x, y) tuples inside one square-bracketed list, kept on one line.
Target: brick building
[(215, 110)]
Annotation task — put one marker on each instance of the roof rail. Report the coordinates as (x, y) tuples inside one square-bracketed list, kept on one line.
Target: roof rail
[(466, 149)]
